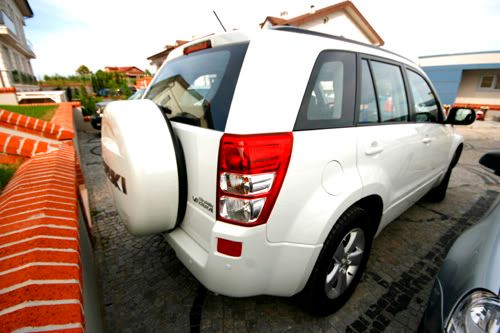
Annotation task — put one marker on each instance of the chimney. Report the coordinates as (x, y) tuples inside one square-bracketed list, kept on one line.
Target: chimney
[(284, 14), (312, 10)]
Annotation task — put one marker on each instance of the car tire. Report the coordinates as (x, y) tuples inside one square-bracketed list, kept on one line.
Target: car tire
[(438, 193), (96, 124), (337, 273)]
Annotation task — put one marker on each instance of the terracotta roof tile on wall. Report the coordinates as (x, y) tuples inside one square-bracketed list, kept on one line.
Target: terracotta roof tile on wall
[(40, 270), (25, 147), (59, 128), (64, 118)]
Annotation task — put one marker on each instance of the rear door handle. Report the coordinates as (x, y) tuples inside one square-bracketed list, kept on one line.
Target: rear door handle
[(374, 149)]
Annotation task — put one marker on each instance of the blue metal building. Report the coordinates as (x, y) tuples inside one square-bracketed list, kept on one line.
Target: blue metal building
[(465, 78)]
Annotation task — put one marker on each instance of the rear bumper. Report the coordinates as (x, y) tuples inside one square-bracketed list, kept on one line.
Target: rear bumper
[(264, 268)]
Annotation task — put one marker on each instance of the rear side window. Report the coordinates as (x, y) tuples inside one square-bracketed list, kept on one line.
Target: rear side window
[(390, 92), (198, 88), (426, 106), (329, 98)]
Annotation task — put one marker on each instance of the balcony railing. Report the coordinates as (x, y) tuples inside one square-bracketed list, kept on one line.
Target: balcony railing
[(23, 78)]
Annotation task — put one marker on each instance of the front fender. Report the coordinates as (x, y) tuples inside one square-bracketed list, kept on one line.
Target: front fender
[(457, 140)]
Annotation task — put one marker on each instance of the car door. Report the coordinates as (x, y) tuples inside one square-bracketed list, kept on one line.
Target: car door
[(388, 159), (435, 137)]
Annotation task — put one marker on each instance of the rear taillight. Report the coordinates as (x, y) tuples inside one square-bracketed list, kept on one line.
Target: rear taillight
[(250, 175)]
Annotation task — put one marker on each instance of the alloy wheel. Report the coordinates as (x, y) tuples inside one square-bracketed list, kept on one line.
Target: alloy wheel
[(345, 263)]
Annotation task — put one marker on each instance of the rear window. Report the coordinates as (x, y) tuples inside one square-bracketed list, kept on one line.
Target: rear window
[(198, 88)]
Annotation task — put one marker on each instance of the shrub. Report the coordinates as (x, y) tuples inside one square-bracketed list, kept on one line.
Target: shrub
[(6, 173), (24, 78), (15, 76)]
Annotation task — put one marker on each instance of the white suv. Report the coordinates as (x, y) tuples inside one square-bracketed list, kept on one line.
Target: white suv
[(271, 162)]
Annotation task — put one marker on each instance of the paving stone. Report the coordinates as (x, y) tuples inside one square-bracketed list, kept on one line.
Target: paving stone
[(146, 288)]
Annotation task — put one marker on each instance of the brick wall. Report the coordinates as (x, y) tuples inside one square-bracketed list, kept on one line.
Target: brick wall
[(40, 269)]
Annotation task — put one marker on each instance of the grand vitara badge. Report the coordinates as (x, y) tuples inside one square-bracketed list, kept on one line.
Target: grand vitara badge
[(203, 203), (118, 181)]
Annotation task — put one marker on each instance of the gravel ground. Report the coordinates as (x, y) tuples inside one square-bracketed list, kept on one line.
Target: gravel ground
[(145, 288)]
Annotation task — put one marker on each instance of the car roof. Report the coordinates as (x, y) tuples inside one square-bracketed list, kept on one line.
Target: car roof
[(340, 38), (327, 40)]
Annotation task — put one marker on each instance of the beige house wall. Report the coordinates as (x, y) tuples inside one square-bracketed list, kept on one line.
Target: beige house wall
[(8, 98), (470, 91)]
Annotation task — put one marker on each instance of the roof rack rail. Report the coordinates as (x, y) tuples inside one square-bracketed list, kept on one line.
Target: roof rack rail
[(325, 35)]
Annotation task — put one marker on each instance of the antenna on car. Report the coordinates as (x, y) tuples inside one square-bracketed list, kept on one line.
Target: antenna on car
[(222, 25)]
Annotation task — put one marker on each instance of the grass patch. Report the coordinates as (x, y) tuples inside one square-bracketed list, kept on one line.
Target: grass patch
[(6, 173), (44, 112)]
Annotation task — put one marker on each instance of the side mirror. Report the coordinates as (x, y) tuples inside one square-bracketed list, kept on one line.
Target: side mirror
[(461, 116), (491, 161)]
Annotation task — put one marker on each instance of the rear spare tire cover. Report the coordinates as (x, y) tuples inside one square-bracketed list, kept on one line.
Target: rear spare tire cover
[(140, 154)]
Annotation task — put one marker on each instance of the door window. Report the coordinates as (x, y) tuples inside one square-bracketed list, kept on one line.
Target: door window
[(368, 110), (426, 106), (390, 91)]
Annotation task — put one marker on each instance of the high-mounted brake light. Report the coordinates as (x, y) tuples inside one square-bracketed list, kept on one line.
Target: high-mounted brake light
[(251, 171), (206, 44)]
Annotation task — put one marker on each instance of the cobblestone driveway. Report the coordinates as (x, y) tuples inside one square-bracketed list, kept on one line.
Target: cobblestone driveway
[(146, 289)]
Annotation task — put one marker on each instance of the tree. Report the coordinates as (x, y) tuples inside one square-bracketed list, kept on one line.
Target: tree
[(99, 80), (83, 70), (88, 102), (147, 73), (125, 90)]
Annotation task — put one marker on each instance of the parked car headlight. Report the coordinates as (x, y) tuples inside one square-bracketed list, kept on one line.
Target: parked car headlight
[(476, 312)]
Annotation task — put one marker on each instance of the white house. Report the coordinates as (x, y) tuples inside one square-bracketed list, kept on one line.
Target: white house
[(15, 49), (341, 19)]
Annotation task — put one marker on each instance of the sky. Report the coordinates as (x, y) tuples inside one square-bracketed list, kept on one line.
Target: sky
[(98, 33)]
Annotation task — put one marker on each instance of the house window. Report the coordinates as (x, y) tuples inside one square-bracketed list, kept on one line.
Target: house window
[(8, 59), (5, 20), (487, 81), (497, 84)]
